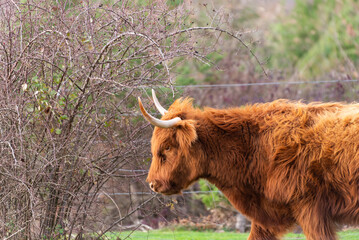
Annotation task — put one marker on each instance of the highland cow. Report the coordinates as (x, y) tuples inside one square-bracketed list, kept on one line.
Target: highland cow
[(278, 163)]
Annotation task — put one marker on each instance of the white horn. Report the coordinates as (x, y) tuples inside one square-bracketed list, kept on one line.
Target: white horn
[(157, 103), (158, 122)]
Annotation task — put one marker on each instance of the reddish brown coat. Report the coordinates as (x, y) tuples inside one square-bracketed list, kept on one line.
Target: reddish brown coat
[(279, 163)]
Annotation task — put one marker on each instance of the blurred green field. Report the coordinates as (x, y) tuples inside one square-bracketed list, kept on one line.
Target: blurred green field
[(193, 235)]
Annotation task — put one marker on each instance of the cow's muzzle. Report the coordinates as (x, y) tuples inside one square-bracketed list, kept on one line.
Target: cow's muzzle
[(162, 187), (156, 185)]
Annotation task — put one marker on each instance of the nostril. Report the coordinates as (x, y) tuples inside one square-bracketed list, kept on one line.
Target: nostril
[(155, 185)]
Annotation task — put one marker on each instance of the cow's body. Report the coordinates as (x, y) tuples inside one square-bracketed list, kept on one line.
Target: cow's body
[(278, 163)]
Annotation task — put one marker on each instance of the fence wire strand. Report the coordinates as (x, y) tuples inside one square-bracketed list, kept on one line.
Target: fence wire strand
[(265, 83)]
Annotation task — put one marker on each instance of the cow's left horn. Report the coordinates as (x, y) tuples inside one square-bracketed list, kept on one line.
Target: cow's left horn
[(157, 103), (158, 122)]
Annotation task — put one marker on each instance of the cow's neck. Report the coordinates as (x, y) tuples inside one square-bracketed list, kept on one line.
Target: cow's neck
[(230, 141)]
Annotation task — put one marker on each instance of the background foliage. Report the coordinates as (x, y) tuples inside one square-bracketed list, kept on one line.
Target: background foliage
[(74, 147), (318, 37)]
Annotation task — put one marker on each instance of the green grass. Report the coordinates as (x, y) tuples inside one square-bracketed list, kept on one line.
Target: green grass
[(194, 235)]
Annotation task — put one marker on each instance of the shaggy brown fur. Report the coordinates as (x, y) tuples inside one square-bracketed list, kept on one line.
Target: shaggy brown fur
[(279, 163)]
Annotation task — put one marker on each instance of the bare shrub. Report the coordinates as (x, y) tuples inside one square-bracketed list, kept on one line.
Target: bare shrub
[(70, 74)]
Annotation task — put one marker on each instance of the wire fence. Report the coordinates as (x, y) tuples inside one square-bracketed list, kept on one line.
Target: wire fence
[(231, 85), (266, 83), (153, 193)]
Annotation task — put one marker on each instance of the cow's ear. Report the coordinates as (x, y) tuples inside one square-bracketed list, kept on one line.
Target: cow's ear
[(186, 133)]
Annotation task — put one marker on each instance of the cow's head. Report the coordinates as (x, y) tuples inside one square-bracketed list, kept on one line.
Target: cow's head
[(175, 155)]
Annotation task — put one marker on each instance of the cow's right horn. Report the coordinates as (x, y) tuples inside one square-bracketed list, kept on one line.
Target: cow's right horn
[(158, 122), (157, 103)]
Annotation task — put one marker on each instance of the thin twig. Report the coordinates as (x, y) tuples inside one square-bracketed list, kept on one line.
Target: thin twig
[(129, 214), (226, 32)]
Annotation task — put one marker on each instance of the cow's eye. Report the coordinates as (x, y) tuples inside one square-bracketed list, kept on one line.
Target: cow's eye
[(163, 158), (168, 148)]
